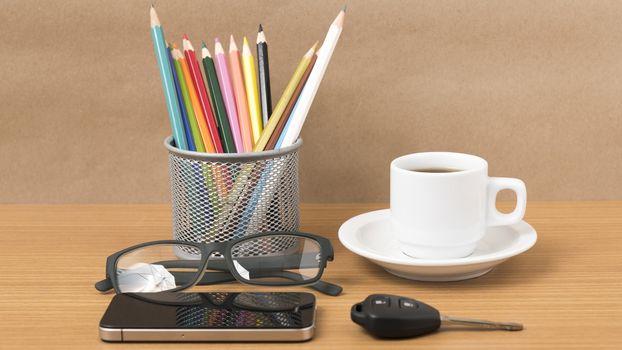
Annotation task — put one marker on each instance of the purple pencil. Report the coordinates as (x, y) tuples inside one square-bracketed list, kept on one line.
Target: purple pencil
[(222, 71)]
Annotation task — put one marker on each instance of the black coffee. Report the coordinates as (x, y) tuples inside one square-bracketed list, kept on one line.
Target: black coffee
[(435, 170)]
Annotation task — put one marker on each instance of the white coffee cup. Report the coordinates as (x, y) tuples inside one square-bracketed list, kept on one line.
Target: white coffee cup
[(438, 215)]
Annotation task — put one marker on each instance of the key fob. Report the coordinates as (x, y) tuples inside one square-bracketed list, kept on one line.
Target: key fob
[(392, 316)]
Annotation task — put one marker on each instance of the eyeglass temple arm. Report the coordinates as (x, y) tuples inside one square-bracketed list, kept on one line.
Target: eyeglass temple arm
[(306, 260), (221, 277)]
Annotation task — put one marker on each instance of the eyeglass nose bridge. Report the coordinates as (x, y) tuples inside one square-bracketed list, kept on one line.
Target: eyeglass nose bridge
[(215, 248)]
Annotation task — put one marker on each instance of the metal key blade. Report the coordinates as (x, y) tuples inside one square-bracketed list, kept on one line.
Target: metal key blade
[(507, 326)]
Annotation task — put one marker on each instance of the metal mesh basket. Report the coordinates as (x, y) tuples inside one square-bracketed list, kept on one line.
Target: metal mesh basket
[(219, 197)]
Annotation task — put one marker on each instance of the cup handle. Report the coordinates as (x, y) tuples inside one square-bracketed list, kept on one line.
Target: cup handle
[(496, 184)]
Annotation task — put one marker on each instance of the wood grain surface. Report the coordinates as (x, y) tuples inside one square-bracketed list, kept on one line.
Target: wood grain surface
[(567, 290)]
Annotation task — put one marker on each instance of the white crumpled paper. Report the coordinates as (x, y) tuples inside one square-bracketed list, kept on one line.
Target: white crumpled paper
[(143, 277)]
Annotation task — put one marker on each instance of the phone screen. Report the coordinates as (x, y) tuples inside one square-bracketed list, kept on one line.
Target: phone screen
[(210, 310)]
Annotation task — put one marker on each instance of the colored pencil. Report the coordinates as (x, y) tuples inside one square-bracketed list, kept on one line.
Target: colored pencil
[(252, 91), (190, 108), (290, 106), (226, 89), (196, 105), (285, 97), (228, 144), (263, 67), (182, 105), (172, 104), (206, 107), (240, 95), (299, 114)]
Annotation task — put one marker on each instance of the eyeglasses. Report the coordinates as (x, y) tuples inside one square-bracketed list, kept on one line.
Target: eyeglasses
[(268, 259)]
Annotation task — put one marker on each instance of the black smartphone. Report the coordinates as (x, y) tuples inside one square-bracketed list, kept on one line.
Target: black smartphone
[(215, 316)]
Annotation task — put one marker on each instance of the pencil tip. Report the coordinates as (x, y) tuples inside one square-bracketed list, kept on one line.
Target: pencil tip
[(187, 44), (311, 50), (203, 44), (345, 6), (245, 41), (217, 40), (260, 28), (339, 19), (232, 45), (155, 21)]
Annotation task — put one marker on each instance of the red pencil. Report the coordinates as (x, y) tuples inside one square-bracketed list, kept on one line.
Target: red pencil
[(199, 85)]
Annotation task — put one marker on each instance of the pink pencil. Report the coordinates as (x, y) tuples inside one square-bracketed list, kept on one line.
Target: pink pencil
[(227, 93), (237, 81)]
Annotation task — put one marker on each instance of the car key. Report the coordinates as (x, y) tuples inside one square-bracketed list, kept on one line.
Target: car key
[(393, 316)]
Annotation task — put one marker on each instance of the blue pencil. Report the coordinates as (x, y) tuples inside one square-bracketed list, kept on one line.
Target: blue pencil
[(172, 103), (182, 106)]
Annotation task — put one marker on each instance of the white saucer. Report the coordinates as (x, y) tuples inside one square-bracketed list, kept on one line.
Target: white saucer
[(369, 235)]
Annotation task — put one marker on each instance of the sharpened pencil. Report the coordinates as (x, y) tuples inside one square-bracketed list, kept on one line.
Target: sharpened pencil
[(172, 104), (252, 91), (224, 79), (263, 69), (240, 96), (224, 128)]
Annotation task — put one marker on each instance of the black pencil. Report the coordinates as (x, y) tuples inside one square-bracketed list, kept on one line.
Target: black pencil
[(264, 76)]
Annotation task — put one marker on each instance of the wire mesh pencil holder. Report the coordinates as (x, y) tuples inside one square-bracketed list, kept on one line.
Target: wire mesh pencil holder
[(220, 197)]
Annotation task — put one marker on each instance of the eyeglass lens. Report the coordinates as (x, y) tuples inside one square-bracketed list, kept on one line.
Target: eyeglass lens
[(283, 259), (157, 268)]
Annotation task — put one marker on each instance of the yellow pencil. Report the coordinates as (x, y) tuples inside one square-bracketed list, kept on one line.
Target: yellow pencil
[(252, 90), (277, 112)]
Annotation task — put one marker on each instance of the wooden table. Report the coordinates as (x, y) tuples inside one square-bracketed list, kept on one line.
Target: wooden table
[(567, 290)]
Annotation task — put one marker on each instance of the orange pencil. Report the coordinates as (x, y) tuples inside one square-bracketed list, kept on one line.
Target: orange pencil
[(240, 95), (196, 105)]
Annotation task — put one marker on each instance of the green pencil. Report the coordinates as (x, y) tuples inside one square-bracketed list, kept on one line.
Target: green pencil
[(219, 106), (192, 119)]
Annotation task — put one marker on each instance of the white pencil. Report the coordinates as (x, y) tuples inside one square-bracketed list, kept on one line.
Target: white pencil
[(299, 114)]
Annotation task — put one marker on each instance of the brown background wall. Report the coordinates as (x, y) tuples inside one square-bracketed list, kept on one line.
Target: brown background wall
[(533, 86)]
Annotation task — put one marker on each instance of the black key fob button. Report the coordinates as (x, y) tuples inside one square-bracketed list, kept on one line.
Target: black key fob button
[(408, 304), (381, 301)]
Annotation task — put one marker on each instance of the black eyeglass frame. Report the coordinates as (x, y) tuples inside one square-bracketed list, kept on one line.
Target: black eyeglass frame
[(224, 248)]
